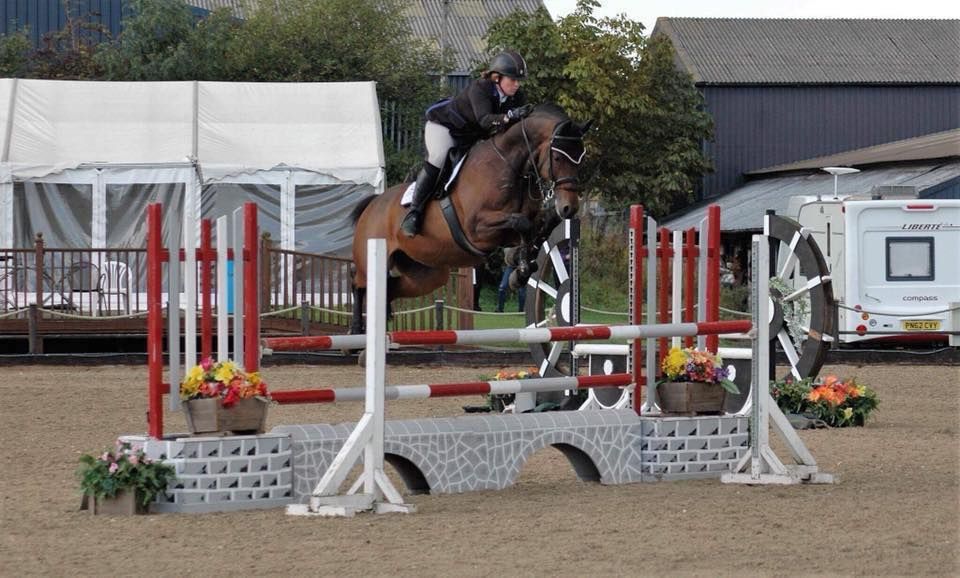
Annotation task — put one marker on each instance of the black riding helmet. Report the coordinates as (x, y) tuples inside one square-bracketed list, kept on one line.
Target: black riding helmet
[(509, 63)]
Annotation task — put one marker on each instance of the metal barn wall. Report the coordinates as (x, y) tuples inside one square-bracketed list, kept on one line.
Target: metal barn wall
[(757, 127), (44, 16)]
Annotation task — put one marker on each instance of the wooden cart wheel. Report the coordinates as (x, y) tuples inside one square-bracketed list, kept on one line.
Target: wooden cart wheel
[(803, 312), (553, 297)]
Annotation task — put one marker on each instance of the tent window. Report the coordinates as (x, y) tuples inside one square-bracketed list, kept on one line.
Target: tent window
[(910, 259), (63, 212), (127, 204), (220, 199), (322, 221)]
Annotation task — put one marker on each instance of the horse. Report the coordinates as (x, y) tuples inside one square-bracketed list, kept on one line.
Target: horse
[(495, 201)]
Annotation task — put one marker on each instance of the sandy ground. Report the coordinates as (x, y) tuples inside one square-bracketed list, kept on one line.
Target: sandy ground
[(895, 512)]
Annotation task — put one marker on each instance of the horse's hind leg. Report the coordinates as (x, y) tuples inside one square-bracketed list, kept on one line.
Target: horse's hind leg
[(357, 325)]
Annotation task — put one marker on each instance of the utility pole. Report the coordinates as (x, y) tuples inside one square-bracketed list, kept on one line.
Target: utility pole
[(443, 40)]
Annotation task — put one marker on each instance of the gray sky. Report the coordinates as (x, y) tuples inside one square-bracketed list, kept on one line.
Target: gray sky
[(647, 11)]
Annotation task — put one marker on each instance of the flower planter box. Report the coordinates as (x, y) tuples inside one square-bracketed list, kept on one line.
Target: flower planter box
[(123, 504), (691, 398), (208, 416)]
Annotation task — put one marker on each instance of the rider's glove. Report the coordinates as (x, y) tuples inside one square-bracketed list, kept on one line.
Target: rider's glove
[(519, 112)]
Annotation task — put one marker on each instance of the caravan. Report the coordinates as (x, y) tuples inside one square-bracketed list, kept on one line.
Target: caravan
[(894, 262)]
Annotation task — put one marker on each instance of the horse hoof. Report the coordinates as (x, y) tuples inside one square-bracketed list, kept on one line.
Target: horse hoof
[(362, 358)]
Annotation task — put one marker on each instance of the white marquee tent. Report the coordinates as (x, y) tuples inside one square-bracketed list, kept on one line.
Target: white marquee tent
[(80, 160)]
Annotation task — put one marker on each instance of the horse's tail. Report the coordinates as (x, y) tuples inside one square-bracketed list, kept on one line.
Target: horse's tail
[(360, 208)]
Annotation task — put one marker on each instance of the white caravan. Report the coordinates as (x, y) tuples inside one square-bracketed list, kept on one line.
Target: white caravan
[(894, 262)]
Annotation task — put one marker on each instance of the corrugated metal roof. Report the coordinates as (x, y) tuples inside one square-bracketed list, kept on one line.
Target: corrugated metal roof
[(815, 51), (238, 7), (742, 209), (932, 146), (466, 24)]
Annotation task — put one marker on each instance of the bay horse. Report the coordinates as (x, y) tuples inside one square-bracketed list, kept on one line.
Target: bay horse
[(496, 201)]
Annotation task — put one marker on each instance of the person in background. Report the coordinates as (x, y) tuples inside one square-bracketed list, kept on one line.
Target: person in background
[(505, 288), (486, 106)]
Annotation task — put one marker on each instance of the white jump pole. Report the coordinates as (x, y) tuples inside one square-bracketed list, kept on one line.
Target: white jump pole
[(676, 303), (223, 317), (761, 465), (703, 246), (379, 494), (173, 319), (239, 264)]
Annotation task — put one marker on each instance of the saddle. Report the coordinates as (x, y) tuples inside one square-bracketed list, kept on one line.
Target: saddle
[(448, 176)]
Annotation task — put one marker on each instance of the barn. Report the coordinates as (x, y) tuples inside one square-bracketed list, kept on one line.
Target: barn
[(782, 91)]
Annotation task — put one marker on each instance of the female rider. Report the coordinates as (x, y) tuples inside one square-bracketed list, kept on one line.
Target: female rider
[(486, 106)]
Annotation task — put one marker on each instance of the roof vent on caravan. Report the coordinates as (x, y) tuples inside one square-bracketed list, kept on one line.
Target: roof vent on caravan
[(893, 192)]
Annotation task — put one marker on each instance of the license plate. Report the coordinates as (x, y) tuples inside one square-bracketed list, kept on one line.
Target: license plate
[(921, 324)]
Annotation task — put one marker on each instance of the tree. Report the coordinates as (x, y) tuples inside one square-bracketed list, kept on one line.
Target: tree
[(649, 116), (15, 52)]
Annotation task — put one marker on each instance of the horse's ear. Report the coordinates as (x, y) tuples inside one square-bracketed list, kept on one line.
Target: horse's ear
[(583, 128)]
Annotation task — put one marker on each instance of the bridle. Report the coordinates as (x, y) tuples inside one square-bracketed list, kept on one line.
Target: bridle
[(547, 187)]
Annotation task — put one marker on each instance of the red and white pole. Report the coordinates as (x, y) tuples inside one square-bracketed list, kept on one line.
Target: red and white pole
[(404, 392), (638, 252), (154, 321), (251, 301), (713, 272), (525, 335)]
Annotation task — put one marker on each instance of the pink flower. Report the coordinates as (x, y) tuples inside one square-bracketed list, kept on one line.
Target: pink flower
[(106, 457), (206, 364), (114, 467), (134, 459)]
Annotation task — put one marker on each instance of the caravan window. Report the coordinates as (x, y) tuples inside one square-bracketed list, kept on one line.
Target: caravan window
[(910, 259)]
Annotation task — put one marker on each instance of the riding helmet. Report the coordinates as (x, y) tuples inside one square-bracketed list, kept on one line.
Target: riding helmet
[(509, 63)]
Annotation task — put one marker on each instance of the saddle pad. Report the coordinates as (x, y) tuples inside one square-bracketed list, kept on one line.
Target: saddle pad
[(453, 175), (407, 197)]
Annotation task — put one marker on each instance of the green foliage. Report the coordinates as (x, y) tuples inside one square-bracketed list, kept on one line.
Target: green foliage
[(839, 403), (604, 271), (124, 469), (15, 51), (650, 123), (152, 45)]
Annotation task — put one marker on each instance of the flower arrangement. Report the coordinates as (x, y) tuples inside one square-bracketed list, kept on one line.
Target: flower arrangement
[(224, 380), (124, 468), (695, 365), (504, 375), (839, 403), (499, 402)]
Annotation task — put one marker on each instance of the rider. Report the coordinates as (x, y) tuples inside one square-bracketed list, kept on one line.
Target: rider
[(487, 105)]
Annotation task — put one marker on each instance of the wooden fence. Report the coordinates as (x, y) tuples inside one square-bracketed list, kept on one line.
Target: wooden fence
[(104, 291)]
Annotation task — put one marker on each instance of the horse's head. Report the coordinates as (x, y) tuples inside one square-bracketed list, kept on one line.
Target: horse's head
[(556, 149)]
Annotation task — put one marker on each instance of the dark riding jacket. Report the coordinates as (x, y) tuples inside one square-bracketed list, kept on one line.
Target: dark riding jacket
[(476, 112)]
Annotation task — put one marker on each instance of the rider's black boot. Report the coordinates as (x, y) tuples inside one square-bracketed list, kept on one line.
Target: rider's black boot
[(426, 182)]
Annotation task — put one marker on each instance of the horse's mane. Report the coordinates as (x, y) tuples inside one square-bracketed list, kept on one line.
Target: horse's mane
[(550, 109)]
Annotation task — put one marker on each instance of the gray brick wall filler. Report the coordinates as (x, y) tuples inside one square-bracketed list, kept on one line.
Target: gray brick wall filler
[(446, 455), (461, 454)]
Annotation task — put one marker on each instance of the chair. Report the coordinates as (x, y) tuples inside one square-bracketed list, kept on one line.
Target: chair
[(114, 286)]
